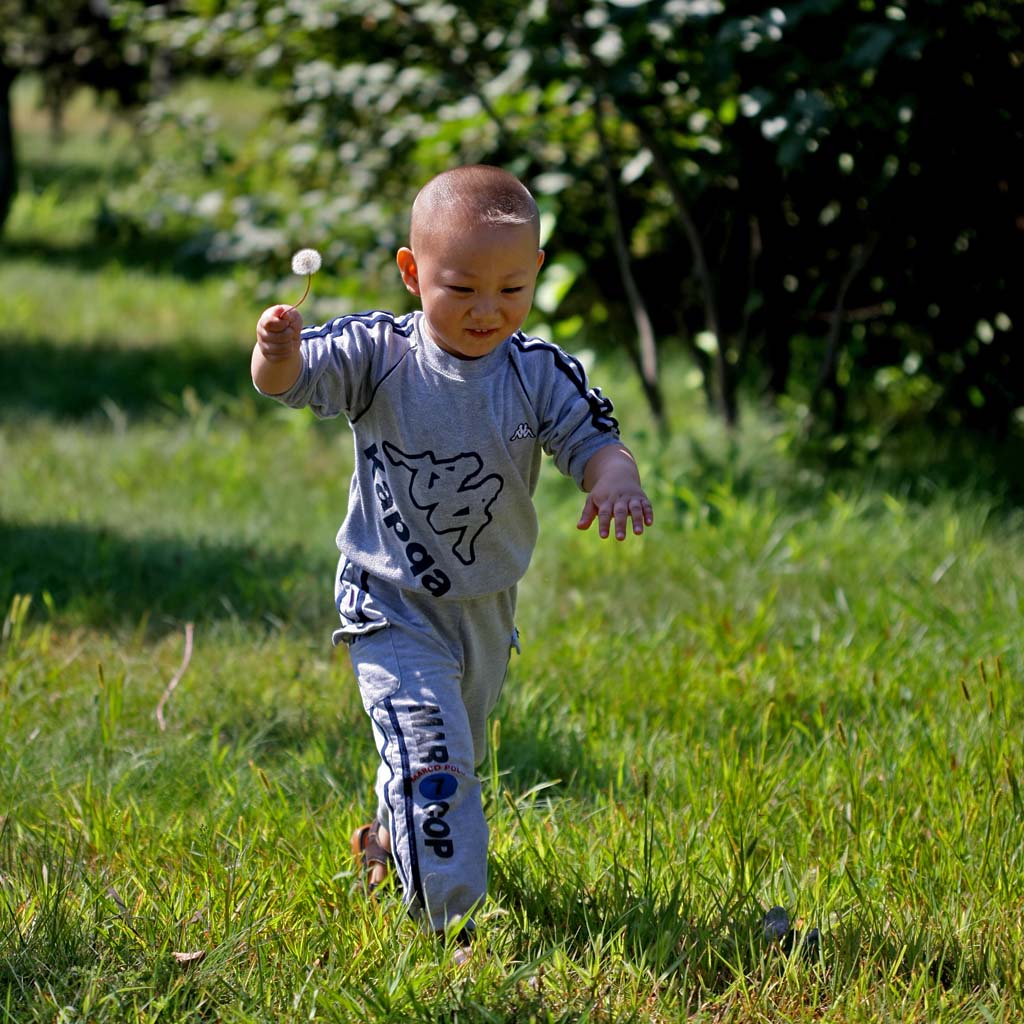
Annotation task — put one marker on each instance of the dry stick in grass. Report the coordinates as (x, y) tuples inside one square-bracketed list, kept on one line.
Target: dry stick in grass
[(186, 658)]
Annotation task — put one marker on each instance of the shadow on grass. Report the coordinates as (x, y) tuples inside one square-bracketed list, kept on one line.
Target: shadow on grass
[(540, 746), (917, 464), (53, 168), (116, 241), (708, 940), (99, 578), (666, 925), (122, 245), (43, 378)]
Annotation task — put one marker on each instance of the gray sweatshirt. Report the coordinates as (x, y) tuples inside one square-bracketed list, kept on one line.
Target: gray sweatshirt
[(447, 450)]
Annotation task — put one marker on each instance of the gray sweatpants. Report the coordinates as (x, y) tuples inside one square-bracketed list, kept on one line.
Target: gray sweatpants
[(430, 672)]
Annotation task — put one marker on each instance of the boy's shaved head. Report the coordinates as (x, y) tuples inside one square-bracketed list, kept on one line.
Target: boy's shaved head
[(477, 194)]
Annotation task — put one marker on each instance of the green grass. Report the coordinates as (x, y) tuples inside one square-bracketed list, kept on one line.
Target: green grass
[(800, 688)]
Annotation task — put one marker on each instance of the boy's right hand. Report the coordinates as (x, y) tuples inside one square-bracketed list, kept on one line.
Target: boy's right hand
[(278, 333)]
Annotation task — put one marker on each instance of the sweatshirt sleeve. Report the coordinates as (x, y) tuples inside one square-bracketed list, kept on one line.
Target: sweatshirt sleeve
[(342, 360), (575, 419)]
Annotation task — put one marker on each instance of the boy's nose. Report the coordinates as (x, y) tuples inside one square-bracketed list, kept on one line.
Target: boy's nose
[(484, 306)]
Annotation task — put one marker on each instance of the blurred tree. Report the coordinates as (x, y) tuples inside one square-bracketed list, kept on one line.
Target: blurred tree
[(877, 152), (68, 44), (8, 161), (821, 198)]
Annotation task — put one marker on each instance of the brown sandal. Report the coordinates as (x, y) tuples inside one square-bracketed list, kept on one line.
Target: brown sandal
[(366, 846)]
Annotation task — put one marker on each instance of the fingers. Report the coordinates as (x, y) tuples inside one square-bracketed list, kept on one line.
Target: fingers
[(646, 514), (640, 511), (281, 318), (634, 508), (588, 515), (278, 332)]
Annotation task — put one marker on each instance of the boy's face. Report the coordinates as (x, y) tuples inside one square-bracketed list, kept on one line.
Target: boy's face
[(475, 284)]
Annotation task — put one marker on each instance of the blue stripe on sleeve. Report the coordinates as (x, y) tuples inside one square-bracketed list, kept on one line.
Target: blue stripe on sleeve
[(572, 368)]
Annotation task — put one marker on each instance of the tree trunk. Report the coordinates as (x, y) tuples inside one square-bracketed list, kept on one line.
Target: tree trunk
[(724, 385), (8, 163), (647, 343), (827, 378)]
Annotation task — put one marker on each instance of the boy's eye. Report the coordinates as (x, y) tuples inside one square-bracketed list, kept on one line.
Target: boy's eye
[(513, 291), (459, 289)]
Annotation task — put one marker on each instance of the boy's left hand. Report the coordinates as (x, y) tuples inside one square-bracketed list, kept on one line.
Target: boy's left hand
[(615, 495)]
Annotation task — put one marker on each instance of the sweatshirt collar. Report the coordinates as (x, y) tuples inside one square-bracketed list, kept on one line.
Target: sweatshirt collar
[(451, 366)]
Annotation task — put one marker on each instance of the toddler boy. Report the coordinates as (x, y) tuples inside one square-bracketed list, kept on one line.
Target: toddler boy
[(451, 407)]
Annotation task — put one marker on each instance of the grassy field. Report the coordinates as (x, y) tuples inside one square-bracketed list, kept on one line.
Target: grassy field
[(800, 689)]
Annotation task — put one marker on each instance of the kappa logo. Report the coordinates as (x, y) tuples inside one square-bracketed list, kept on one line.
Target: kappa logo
[(521, 432), (456, 498), (417, 557)]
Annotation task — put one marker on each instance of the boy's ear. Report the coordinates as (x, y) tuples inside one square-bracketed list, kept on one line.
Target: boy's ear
[(407, 268), (540, 258)]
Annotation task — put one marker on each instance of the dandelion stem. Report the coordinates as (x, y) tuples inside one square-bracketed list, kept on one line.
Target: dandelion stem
[(309, 280)]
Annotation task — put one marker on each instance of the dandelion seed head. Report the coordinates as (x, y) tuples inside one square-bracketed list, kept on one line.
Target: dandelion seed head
[(306, 261)]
